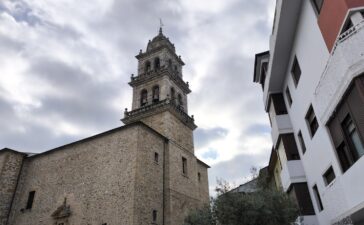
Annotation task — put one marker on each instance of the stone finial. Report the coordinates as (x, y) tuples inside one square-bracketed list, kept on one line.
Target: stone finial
[(193, 117), (160, 30), (188, 83), (132, 76), (140, 52)]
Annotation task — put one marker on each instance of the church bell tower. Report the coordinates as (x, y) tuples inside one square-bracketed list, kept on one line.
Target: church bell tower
[(160, 93)]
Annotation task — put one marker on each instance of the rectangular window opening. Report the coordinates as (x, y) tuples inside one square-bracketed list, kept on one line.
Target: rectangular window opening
[(318, 198), (302, 142), (184, 165), (30, 200), (154, 215), (296, 71), (312, 121), (353, 138), (199, 176), (156, 157), (289, 97), (329, 176)]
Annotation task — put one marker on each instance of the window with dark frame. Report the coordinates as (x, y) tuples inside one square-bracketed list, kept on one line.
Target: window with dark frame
[(278, 103), (347, 125), (143, 97), (184, 165), (155, 213), (156, 94), (289, 97), (329, 176), (156, 157), (312, 122), (318, 5), (296, 71), (157, 64), (147, 66), (345, 157), (30, 200), (302, 142), (353, 138), (318, 198)]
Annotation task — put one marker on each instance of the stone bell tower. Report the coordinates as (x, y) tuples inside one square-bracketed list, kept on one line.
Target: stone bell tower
[(160, 93), (160, 101)]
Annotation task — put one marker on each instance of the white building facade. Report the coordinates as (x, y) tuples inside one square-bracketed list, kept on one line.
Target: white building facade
[(313, 84)]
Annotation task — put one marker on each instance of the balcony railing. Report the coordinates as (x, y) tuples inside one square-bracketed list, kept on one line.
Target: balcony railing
[(344, 64), (166, 104)]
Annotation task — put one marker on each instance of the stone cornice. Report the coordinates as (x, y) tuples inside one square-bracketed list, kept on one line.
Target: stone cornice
[(148, 76), (155, 108), (142, 55)]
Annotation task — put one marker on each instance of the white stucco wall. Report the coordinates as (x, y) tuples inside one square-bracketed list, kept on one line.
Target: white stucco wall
[(346, 192)]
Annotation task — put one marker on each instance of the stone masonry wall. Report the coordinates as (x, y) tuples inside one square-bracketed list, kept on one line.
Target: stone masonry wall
[(96, 176), (10, 166), (171, 127), (149, 178)]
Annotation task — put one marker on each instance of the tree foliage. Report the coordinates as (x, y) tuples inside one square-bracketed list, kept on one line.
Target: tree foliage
[(264, 206)]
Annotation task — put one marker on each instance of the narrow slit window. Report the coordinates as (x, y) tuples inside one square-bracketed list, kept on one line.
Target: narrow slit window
[(156, 157), (289, 97), (296, 71), (184, 165), (30, 200), (302, 142), (154, 215), (318, 198), (199, 176)]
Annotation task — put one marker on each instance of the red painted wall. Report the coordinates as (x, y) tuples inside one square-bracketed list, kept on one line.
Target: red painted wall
[(332, 17)]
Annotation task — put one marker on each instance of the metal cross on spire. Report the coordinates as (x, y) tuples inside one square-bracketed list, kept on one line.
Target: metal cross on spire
[(160, 25)]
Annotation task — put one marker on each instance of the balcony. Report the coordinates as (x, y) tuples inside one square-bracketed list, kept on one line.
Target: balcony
[(292, 172), (280, 120), (345, 62), (281, 124)]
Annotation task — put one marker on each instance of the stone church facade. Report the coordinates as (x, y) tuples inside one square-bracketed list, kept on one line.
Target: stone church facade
[(145, 172)]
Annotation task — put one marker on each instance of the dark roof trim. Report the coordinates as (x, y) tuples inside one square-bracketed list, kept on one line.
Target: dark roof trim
[(256, 62), (204, 164), (103, 134)]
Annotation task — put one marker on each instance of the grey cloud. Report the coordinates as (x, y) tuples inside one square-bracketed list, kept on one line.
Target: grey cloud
[(237, 169), (204, 136), (85, 101), (257, 129), (22, 13)]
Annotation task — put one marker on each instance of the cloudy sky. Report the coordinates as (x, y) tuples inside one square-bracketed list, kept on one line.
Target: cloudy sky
[(65, 64)]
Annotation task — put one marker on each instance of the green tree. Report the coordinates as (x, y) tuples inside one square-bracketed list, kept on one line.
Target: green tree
[(263, 206)]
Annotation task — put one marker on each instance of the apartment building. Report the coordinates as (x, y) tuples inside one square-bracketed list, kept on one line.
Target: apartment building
[(313, 91)]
